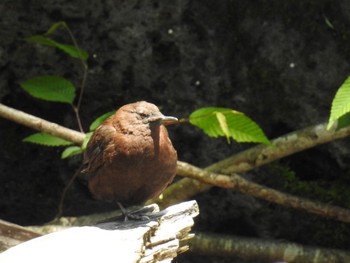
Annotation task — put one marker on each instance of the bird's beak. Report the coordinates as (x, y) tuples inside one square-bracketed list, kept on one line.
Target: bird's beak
[(168, 120)]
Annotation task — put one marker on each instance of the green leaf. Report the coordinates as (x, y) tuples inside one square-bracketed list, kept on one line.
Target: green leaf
[(73, 51), (97, 122), (69, 49), (71, 151), (86, 140), (55, 26), (46, 139), (341, 103), (223, 125), (50, 88), (343, 121), (74, 150), (226, 122), (41, 40)]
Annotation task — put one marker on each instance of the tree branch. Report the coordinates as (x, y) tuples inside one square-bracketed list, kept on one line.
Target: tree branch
[(254, 157), (236, 182), (283, 146), (271, 251), (41, 124)]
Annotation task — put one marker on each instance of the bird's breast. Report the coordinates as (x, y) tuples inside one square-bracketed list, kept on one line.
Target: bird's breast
[(136, 168)]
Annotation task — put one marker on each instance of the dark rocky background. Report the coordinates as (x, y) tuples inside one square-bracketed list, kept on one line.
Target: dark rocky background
[(280, 62)]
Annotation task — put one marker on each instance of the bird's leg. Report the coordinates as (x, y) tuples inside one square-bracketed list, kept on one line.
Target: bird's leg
[(124, 212)]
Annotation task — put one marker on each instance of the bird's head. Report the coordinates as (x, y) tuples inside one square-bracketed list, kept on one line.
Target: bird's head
[(145, 113)]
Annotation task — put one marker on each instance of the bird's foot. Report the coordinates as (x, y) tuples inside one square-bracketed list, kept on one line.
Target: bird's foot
[(142, 214)]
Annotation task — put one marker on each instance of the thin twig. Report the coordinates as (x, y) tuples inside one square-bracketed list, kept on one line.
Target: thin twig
[(83, 81), (77, 116), (64, 193)]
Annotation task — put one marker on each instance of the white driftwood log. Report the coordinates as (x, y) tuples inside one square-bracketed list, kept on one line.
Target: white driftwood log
[(159, 239)]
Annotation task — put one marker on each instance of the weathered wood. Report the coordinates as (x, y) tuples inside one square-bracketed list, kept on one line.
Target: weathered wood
[(12, 234), (159, 239)]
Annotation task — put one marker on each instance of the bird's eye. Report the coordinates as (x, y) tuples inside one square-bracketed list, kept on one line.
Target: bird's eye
[(142, 114)]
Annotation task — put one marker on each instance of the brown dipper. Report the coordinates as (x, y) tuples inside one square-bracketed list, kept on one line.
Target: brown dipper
[(130, 158)]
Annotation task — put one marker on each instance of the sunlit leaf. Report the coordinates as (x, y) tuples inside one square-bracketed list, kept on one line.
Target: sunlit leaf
[(223, 124), (50, 88), (341, 103), (46, 140), (226, 122)]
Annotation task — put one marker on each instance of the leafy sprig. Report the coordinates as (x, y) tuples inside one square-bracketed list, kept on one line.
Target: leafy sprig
[(232, 124), (56, 88)]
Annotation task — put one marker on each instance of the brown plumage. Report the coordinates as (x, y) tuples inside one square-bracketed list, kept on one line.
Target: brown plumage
[(130, 158)]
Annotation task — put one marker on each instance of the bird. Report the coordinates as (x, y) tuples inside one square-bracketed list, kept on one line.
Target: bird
[(130, 157)]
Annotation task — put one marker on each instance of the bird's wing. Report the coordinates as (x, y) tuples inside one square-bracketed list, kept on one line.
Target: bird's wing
[(94, 154)]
